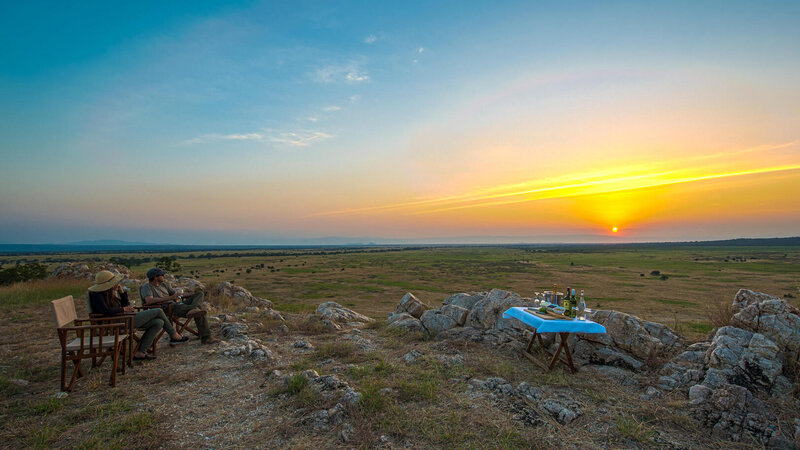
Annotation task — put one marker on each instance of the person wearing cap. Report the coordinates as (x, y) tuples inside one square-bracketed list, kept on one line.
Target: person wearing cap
[(157, 292), (107, 297)]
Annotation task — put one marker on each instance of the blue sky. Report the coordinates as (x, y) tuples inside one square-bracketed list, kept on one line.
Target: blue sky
[(245, 122)]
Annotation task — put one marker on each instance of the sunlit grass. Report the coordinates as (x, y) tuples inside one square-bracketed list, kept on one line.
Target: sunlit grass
[(41, 291)]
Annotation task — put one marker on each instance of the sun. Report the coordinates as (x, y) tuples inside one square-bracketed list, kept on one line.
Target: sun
[(615, 229)]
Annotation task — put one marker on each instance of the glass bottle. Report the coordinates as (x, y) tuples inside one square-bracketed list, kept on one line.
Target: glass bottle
[(581, 308)]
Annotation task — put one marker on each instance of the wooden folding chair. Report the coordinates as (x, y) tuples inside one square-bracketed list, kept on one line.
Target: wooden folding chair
[(91, 341), (136, 339), (181, 323)]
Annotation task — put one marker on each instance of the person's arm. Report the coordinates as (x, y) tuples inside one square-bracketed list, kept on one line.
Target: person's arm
[(148, 300), (123, 298), (99, 306)]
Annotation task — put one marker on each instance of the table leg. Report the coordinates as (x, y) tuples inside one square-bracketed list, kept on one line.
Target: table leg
[(563, 345)]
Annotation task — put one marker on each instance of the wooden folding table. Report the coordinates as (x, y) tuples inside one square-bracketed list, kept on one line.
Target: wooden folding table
[(564, 327)]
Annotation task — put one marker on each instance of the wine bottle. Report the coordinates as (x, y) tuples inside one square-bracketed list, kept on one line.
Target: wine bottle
[(582, 308)]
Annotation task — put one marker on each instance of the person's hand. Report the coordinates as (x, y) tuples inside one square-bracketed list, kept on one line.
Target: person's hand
[(119, 289)]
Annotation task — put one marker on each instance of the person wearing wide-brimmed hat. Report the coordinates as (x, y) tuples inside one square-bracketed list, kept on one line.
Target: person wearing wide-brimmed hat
[(157, 292), (107, 297)]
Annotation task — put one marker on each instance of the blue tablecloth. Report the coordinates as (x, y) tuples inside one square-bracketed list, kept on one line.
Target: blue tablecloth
[(555, 325)]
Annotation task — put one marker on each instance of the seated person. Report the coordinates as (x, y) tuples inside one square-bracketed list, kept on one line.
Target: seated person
[(156, 292), (107, 297)]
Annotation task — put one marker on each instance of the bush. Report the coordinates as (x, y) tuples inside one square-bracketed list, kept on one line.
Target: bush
[(655, 273), (168, 263), (22, 272)]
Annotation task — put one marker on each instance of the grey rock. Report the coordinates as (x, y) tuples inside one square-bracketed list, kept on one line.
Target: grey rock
[(464, 300), (488, 311), (618, 375), (394, 317), (746, 297), (339, 315), (346, 433), (651, 393), (18, 382), (435, 322), (310, 374), (699, 393), (412, 356), (60, 394), (282, 330), (731, 412), (241, 297), (457, 313), (562, 407), (350, 396), (410, 324), (529, 392), (638, 337), (329, 383), (775, 319), (302, 344), (462, 334), (233, 329), (411, 305)]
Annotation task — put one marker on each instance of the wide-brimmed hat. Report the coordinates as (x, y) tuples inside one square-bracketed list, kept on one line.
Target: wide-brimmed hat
[(105, 280)]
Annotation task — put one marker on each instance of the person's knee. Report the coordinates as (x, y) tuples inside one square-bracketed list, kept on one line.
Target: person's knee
[(158, 323)]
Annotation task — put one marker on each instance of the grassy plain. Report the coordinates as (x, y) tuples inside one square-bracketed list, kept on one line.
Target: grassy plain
[(613, 277), (423, 403), (690, 280)]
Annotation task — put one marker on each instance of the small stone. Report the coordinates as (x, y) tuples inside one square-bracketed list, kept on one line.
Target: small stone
[(18, 382), (60, 394), (310, 374), (282, 330), (412, 356)]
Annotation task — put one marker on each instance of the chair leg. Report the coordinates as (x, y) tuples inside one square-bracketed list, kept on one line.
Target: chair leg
[(114, 367), (63, 373), (76, 373)]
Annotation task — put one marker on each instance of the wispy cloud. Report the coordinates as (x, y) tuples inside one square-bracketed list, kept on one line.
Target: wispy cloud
[(629, 178), (300, 138), (331, 108), (371, 39), (350, 73), (421, 49)]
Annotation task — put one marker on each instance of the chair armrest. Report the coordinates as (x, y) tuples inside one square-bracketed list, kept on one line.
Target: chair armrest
[(94, 327)]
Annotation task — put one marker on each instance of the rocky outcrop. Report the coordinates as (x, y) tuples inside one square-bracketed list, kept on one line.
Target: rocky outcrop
[(86, 271), (241, 297), (411, 305), (743, 362), (487, 312), (728, 379), (336, 316)]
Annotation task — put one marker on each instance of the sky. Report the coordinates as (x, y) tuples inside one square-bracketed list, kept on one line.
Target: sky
[(193, 122)]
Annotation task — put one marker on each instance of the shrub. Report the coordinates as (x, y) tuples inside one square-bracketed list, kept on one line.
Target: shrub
[(22, 272), (655, 273), (168, 263)]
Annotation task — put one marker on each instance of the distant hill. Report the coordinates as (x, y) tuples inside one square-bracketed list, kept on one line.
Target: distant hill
[(106, 242)]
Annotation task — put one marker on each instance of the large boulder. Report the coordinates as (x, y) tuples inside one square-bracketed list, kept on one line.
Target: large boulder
[(487, 312), (746, 297), (457, 313), (337, 315), (464, 300), (772, 317), (731, 412), (638, 337), (411, 304), (405, 321), (241, 297), (741, 357), (436, 322)]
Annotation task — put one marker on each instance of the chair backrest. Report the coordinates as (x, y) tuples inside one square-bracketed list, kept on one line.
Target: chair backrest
[(64, 311)]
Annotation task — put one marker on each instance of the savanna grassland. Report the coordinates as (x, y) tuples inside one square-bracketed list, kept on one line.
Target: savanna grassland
[(192, 396), (689, 281)]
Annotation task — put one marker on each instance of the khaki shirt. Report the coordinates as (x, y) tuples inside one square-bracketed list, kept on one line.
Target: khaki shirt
[(151, 290)]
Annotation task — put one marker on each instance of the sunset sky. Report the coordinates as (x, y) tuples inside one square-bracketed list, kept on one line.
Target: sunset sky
[(193, 122)]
